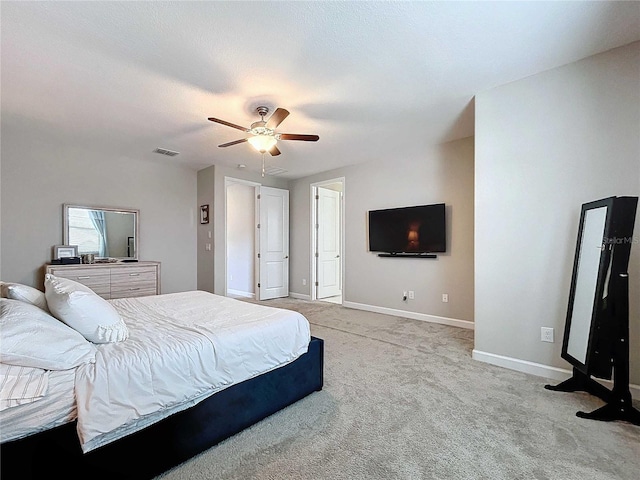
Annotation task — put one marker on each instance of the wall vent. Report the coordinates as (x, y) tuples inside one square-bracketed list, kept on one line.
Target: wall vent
[(273, 171), (164, 151)]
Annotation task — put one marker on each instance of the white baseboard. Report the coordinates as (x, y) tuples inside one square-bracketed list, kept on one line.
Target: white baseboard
[(538, 369), (413, 315), (238, 293), (300, 296)]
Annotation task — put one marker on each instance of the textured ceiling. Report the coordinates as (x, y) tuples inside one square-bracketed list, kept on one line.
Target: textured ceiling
[(375, 80)]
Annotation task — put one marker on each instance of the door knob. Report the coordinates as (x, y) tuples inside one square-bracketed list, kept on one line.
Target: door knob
[(287, 256), (337, 256)]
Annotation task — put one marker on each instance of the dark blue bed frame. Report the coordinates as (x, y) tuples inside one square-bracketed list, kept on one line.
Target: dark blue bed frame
[(165, 444)]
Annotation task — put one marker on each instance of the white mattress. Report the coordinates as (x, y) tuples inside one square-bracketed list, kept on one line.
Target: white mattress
[(182, 347)]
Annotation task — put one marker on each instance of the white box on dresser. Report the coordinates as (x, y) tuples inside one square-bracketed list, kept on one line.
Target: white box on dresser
[(113, 280)]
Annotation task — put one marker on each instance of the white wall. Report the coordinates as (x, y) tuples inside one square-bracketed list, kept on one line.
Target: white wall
[(241, 236), (443, 174), (544, 146), (40, 174), (206, 181)]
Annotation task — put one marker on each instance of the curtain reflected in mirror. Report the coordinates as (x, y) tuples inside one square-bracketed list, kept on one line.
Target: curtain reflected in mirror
[(104, 232)]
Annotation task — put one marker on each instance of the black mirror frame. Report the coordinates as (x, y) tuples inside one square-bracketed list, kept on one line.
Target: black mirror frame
[(598, 351), (608, 344)]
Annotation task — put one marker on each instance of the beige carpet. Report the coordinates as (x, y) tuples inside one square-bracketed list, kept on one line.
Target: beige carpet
[(404, 400)]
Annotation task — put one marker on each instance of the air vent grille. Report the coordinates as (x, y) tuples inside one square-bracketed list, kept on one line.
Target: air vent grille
[(273, 171), (164, 151)]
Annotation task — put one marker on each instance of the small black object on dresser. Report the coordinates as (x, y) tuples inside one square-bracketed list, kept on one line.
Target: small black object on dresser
[(66, 261)]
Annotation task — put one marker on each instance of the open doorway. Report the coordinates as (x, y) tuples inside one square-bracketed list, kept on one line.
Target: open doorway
[(256, 240), (327, 232), (240, 238)]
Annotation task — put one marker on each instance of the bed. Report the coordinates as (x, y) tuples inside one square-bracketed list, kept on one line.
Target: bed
[(193, 369)]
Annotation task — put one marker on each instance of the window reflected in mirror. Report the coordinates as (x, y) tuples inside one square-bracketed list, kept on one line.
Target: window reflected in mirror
[(106, 233)]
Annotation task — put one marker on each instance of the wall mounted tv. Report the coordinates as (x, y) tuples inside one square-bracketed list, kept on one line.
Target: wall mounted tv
[(408, 231)]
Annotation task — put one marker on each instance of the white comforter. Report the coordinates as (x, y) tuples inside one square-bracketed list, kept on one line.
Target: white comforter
[(182, 347)]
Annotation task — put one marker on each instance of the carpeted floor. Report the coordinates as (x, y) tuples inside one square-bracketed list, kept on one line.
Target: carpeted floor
[(404, 400)]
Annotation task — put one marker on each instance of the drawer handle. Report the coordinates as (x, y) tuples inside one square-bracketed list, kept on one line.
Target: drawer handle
[(134, 274), (136, 288), (84, 278)]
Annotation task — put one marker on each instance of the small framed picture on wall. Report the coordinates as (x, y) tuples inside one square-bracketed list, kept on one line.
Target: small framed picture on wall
[(204, 213)]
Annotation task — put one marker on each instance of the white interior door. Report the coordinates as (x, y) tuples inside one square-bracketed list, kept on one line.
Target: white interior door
[(328, 239), (273, 249)]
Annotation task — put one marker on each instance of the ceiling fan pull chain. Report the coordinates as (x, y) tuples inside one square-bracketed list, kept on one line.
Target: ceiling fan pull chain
[(263, 164)]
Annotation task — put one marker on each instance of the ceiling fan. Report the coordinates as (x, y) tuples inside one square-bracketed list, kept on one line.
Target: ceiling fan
[(263, 135)]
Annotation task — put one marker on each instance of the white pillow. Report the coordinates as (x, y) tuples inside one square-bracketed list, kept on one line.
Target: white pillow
[(24, 293), (30, 337), (83, 310)]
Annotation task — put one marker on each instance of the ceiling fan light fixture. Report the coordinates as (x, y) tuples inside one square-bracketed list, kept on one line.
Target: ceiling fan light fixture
[(262, 143), (263, 136)]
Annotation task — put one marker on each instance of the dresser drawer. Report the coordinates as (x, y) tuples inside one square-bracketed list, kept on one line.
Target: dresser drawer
[(133, 281), (97, 280), (133, 290), (129, 275)]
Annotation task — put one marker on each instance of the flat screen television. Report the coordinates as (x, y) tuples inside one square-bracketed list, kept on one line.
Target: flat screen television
[(408, 230)]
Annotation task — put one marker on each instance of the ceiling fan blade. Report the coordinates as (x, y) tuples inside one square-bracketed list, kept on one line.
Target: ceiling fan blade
[(276, 119), (274, 151), (242, 140), (228, 124), (297, 136)]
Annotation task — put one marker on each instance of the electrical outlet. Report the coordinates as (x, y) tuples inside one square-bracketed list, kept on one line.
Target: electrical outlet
[(546, 334), (304, 281), (412, 294), (207, 247), (445, 298)]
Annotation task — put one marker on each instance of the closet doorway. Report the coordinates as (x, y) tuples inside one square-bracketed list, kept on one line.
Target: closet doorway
[(240, 238), (327, 240), (256, 240)]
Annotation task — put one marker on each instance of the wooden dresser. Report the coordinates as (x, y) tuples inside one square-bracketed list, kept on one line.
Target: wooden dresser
[(114, 280)]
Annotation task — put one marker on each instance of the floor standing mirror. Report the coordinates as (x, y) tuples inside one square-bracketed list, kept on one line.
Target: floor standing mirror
[(596, 336)]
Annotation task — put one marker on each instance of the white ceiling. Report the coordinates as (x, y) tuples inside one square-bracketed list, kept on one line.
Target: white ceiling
[(375, 80)]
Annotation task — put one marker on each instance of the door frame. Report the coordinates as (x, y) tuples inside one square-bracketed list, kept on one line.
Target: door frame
[(314, 235), (230, 181)]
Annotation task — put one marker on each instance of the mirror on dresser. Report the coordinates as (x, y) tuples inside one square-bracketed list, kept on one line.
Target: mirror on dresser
[(103, 231)]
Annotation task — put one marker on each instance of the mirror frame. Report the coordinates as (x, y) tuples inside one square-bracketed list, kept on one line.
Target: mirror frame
[(598, 347), (136, 231)]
